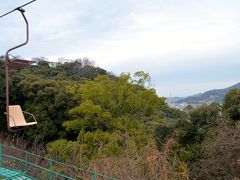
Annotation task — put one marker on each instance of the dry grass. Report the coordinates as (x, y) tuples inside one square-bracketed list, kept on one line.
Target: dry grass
[(17, 140), (147, 164), (221, 155)]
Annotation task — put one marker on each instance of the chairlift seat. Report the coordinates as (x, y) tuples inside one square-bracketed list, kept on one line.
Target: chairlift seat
[(16, 117)]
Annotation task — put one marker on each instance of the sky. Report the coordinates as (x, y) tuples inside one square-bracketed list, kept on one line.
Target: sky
[(187, 46)]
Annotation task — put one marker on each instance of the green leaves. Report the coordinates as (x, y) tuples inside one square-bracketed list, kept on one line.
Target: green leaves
[(120, 97), (86, 109), (231, 104), (98, 114), (108, 116), (205, 115), (141, 78), (88, 116)]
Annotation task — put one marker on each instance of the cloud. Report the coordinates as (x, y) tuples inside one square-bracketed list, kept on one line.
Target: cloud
[(164, 38), (172, 90)]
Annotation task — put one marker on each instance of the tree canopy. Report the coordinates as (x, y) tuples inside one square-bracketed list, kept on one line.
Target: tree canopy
[(88, 116)]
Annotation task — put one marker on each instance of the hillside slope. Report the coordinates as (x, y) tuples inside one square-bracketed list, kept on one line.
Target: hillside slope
[(215, 95)]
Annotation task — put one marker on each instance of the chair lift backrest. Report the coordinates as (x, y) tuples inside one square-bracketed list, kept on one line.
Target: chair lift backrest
[(16, 117)]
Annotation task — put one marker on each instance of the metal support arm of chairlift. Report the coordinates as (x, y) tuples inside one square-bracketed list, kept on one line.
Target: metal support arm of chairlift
[(7, 61)]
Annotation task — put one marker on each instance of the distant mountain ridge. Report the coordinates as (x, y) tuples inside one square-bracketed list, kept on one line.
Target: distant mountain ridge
[(215, 95)]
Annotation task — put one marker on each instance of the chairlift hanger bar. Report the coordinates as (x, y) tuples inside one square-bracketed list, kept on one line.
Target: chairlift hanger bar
[(18, 8), (7, 61)]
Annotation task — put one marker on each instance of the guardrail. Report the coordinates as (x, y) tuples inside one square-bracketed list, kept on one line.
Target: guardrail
[(39, 167)]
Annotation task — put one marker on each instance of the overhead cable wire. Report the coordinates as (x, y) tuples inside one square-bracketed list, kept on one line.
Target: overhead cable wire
[(18, 8)]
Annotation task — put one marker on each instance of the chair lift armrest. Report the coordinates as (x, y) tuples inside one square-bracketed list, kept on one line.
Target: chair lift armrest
[(31, 115)]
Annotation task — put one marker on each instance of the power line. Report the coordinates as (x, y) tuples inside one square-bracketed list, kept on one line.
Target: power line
[(17, 8)]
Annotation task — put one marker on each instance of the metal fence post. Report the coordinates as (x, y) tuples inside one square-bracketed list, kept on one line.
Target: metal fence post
[(94, 176), (51, 169), (26, 161), (1, 155)]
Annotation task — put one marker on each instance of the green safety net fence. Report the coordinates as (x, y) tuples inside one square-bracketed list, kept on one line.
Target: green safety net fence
[(20, 164)]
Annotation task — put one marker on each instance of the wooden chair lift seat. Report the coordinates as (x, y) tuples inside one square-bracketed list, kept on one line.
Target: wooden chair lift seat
[(17, 119)]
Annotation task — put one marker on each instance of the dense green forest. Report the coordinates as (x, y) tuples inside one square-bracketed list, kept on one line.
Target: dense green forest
[(119, 126)]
